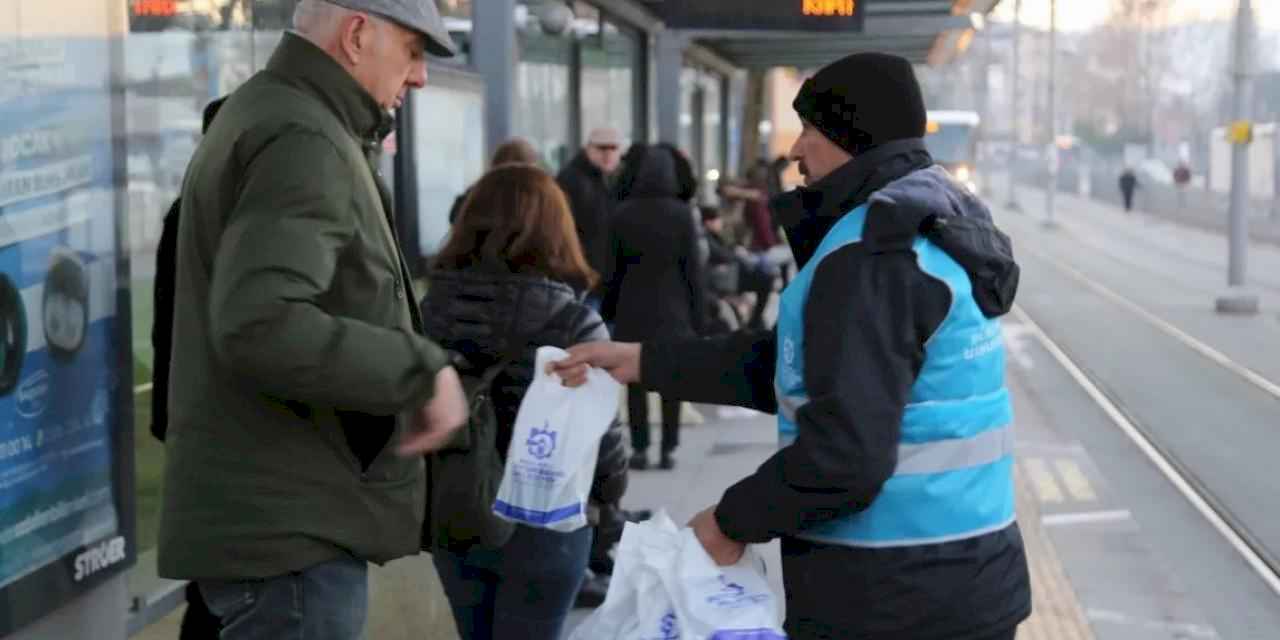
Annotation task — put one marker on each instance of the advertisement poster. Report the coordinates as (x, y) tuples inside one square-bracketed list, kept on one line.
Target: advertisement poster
[(61, 526)]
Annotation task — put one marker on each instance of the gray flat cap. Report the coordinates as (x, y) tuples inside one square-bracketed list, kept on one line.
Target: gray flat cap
[(417, 15)]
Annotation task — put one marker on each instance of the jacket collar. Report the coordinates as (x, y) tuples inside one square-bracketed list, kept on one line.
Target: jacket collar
[(808, 213), (851, 185), (304, 64)]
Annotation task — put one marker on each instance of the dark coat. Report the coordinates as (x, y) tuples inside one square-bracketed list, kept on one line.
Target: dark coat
[(870, 311), (592, 205), (483, 314), (1128, 182), (655, 287)]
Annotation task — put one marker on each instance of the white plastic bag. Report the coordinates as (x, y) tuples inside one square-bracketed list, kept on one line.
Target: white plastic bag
[(552, 458), (666, 587), (722, 603)]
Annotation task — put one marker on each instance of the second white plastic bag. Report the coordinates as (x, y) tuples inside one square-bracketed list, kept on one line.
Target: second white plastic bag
[(551, 461), (665, 586)]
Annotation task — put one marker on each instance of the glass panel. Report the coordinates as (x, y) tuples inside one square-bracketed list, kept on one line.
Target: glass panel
[(542, 110), (609, 60), (172, 70), (270, 20), (453, 119), (688, 86), (712, 136)]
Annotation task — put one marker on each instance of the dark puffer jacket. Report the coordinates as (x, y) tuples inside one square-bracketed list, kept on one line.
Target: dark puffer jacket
[(484, 313), (655, 285)]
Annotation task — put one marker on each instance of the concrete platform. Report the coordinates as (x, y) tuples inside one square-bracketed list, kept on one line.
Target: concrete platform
[(720, 451)]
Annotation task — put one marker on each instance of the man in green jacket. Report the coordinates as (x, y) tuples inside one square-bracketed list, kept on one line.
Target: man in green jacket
[(302, 392)]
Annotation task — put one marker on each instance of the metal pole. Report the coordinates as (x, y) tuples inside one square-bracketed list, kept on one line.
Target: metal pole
[(1015, 118), (669, 61), (495, 55), (1052, 188), (1237, 300), (1275, 154)]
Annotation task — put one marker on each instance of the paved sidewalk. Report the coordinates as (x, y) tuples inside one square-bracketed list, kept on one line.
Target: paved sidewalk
[(720, 451)]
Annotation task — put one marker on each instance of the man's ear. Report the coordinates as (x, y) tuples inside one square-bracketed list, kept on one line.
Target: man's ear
[(354, 35)]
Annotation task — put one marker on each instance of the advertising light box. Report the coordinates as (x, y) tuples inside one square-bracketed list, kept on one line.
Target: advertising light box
[(65, 443)]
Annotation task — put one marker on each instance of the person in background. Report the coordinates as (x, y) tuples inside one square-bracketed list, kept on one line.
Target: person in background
[(1182, 180), (302, 394), (776, 169), (585, 181), (513, 151), (656, 290), (1128, 184), (892, 489), (763, 235), (751, 276), (505, 282)]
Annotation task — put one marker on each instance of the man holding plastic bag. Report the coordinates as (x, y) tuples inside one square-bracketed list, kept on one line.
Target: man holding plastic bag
[(892, 490)]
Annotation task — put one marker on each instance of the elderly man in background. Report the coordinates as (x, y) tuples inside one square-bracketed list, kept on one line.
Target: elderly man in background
[(585, 181)]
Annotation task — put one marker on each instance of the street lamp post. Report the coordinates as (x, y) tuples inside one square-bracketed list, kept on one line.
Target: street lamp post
[(1052, 188), (1237, 299), (1014, 121)]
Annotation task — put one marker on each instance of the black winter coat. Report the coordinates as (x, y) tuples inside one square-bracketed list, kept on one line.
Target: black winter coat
[(655, 287), (869, 313), (482, 314), (592, 204)]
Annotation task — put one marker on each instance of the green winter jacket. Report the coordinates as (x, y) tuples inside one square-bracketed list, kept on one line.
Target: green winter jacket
[(297, 347)]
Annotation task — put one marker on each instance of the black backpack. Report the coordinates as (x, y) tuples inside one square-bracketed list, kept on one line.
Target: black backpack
[(162, 322), (463, 477)]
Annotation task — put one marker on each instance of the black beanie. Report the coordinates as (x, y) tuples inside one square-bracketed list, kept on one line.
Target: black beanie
[(864, 100)]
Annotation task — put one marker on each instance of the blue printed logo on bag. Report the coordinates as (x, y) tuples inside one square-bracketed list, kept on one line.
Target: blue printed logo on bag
[(734, 596), (542, 442), (668, 628)]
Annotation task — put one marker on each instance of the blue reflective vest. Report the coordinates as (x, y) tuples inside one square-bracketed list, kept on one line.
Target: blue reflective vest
[(954, 478)]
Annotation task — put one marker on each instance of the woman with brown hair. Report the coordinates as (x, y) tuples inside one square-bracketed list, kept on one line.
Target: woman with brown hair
[(505, 284)]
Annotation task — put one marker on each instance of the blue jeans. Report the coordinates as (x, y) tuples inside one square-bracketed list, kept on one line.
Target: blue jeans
[(523, 590), (329, 601)]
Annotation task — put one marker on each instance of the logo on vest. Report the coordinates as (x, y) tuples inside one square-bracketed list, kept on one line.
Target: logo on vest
[(106, 554), (984, 342), (542, 442), (787, 373)]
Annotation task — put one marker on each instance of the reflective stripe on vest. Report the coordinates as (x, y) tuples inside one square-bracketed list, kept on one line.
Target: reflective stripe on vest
[(938, 456)]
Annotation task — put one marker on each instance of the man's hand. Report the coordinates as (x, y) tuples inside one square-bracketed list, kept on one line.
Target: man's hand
[(620, 359), (723, 549), (439, 418)]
